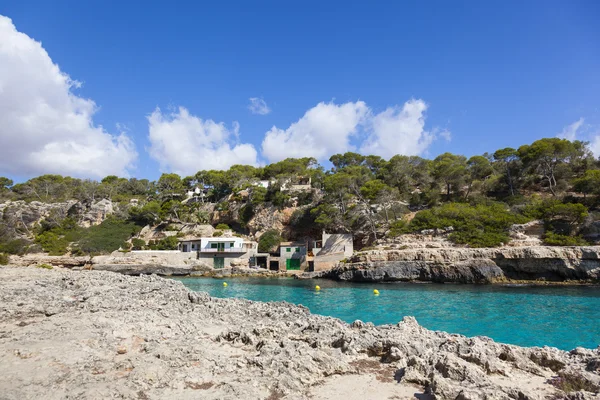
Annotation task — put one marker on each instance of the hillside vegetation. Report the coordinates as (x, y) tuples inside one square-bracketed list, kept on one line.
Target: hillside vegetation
[(553, 180)]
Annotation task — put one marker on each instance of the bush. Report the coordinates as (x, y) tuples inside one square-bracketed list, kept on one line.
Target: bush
[(4, 259), (223, 227), (52, 243), (107, 237), (559, 217), (15, 246), (126, 247), (269, 241), (138, 244), (556, 239), (398, 228), (217, 233), (482, 225), (168, 243), (44, 266)]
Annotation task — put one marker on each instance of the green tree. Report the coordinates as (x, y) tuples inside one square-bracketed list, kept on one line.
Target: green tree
[(5, 184), (169, 186), (589, 183), (269, 241), (544, 156), (506, 159), (478, 169), (450, 170)]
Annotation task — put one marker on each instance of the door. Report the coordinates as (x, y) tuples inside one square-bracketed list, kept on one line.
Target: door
[(219, 262), (292, 264)]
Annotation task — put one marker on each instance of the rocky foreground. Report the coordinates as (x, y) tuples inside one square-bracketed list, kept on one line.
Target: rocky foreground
[(98, 335)]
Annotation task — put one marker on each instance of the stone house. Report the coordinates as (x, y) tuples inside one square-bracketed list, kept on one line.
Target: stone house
[(292, 256)]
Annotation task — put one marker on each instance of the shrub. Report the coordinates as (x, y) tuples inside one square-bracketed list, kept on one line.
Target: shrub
[(556, 239), (126, 246), (217, 233), (52, 243), (4, 259), (107, 237), (559, 217), (269, 241), (44, 266), (15, 246), (482, 225), (168, 243), (398, 228), (138, 244), (222, 227)]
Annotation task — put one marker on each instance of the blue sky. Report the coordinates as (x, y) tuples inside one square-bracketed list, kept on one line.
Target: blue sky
[(415, 77)]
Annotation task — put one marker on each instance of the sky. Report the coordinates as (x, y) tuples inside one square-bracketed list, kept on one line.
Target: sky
[(136, 88)]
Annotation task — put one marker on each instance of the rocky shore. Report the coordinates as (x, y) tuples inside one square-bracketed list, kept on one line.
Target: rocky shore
[(96, 335), (463, 265)]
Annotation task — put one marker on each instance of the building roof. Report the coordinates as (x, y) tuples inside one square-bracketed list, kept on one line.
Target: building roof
[(213, 239), (294, 244)]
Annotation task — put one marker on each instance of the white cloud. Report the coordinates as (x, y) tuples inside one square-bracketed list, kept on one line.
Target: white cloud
[(258, 106), (186, 144), (44, 126), (400, 130), (570, 132), (323, 130), (595, 145)]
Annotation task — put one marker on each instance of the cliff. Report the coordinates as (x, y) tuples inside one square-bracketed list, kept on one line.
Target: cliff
[(466, 265), (68, 334)]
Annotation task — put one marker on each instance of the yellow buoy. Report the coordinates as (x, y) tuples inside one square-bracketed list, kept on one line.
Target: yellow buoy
[(376, 292), (317, 288), (224, 284)]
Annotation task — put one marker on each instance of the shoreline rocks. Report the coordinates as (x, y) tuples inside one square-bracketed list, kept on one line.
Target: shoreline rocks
[(465, 265), (97, 334)]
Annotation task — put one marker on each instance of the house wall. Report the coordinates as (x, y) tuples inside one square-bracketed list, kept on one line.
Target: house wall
[(334, 243), (285, 255), (208, 258), (229, 242)]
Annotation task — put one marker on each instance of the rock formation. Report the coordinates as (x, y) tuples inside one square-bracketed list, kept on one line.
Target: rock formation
[(465, 265), (67, 334)]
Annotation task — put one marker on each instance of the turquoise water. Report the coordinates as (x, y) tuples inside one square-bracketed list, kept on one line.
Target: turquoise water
[(563, 317)]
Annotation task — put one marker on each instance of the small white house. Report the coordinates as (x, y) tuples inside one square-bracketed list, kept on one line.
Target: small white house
[(222, 250)]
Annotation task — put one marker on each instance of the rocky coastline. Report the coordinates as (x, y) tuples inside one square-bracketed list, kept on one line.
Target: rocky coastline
[(532, 264), (536, 265), (97, 334)]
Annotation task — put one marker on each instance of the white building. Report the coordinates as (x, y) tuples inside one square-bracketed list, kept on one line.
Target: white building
[(222, 250)]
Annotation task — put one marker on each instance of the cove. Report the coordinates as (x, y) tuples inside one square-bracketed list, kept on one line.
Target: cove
[(562, 317)]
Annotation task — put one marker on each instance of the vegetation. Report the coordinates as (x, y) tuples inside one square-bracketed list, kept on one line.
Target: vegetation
[(4, 259), (44, 266), (269, 241), (138, 244), (554, 180)]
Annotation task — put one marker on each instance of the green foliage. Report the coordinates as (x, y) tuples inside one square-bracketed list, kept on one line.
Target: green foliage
[(280, 199), (14, 246), (589, 183), (52, 243), (482, 225), (138, 244), (398, 228), (222, 227), (106, 237), (44, 266), (245, 215), (217, 233), (560, 217), (149, 213), (168, 243), (4, 259), (269, 241), (556, 239)]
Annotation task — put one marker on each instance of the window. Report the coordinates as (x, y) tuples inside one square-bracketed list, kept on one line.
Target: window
[(231, 244), (213, 245), (287, 249), (297, 249)]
